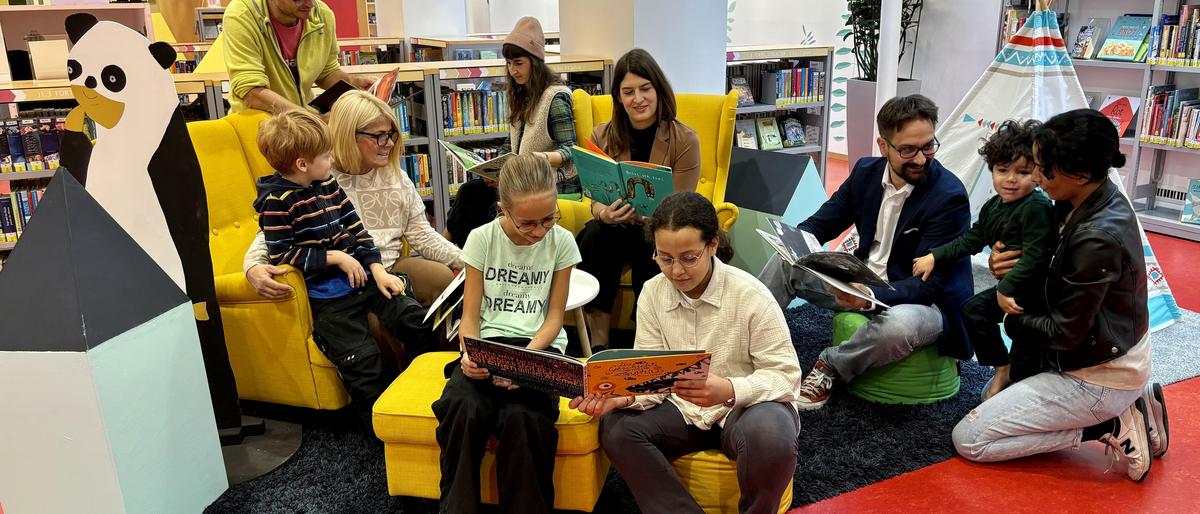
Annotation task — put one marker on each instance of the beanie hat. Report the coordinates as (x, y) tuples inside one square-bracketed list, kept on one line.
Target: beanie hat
[(528, 36)]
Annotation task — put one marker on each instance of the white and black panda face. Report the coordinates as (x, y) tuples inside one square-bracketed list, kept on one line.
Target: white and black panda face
[(113, 69)]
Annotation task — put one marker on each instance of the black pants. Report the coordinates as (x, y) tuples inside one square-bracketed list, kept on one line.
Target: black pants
[(981, 315), (340, 331), (640, 444), (606, 249), (522, 420)]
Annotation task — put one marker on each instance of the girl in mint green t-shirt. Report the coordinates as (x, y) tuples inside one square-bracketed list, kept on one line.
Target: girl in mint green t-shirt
[(518, 271)]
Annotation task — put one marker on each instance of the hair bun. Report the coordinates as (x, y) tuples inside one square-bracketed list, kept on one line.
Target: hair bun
[(1118, 160)]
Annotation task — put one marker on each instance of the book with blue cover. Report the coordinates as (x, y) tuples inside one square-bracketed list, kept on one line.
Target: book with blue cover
[(1191, 203), (640, 184), (1127, 39)]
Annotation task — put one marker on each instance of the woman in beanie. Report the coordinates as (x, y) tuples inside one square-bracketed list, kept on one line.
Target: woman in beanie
[(644, 129), (541, 122)]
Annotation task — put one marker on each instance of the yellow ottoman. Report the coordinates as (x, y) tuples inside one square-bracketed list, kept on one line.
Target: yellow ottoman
[(404, 421), (712, 479)]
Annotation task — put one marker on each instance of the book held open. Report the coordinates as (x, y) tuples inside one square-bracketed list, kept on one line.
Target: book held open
[(838, 269)]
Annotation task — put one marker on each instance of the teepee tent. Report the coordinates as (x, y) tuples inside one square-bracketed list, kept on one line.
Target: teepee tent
[(1032, 77)]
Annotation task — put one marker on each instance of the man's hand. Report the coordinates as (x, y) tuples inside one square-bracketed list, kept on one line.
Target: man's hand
[(595, 405), (850, 302), (1001, 262), (705, 393), (471, 370), (262, 278), (1007, 304)]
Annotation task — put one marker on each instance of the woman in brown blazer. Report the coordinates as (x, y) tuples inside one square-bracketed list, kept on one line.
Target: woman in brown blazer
[(643, 128)]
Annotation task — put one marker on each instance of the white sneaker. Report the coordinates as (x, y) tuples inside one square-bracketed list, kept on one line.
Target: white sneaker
[(1131, 443), (1160, 432), (817, 387)]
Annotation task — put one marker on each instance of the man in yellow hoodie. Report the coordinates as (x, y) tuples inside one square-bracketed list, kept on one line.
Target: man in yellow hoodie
[(276, 50)]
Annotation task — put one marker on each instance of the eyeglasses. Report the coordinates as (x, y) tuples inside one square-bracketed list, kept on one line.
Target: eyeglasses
[(547, 223), (687, 261), (381, 138), (908, 152)]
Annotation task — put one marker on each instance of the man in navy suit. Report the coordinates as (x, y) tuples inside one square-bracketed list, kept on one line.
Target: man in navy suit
[(904, 204)]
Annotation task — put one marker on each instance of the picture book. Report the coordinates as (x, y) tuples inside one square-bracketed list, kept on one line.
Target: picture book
[(324, 102), (608, 373), (640, 184), (486, 168), (742, 86), (768, 134), (838, 269), (1191, 203), (1089, 38), (446, 302), (1126, 39), (745, 134), (793, 132), (1121, 110)]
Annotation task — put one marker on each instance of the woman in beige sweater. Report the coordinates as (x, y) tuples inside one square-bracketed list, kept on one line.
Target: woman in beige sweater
[(366, 137)]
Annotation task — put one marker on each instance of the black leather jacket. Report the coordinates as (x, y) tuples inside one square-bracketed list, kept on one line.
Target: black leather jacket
[(1095, 287)]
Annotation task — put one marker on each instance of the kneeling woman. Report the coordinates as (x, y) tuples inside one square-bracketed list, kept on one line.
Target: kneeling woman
[(745, 408)]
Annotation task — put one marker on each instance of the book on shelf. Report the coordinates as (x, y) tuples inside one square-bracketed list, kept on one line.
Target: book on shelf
[(1089, 38), (1170, 116), (472, 162), (793, 132), (742, 86), (745, 134), (1173, 41), (1014, 18), (608, 373), (1191, 203), (640, 184), (1128, 40), (1121, 110), (838, 269), (791, 86), (17, 203), (768, 134), (416, 167), (479, 111)]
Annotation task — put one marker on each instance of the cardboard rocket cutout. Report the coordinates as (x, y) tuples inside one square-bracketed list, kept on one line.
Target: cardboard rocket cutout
[(143, 171), (102, 386), (1031, 78)]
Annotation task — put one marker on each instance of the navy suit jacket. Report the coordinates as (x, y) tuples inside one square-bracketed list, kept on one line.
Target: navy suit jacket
[(936, 212)]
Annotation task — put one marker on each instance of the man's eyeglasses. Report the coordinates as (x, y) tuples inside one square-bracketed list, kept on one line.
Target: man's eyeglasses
[(547, 223), (381, 138), (687, 261), (908, 152)]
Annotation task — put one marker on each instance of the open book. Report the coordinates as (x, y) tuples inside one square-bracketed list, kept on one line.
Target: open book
[(838, 269), (486, 168), (604, 180), (610, 372), (446, 302)]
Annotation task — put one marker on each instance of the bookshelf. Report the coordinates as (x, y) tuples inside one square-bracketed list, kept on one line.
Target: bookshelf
[(1156, 175), (208, 23), (808, 103)]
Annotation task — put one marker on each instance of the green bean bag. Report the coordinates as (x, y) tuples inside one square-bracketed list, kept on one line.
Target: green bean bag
[(923, 377)]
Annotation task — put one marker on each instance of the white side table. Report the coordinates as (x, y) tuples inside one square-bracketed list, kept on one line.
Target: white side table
[(584, 287)]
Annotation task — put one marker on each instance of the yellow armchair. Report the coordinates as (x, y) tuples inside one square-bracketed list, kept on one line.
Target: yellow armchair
[(711, 116), (270, 343)]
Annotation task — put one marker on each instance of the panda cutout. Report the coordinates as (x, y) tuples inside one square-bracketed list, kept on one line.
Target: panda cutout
[(144, 172)]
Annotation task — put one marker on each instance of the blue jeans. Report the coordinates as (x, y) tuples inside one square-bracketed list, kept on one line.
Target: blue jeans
[(890, 336), (1043, 413)]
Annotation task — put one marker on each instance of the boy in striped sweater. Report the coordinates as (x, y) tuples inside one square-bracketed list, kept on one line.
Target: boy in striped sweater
[(308, 222)]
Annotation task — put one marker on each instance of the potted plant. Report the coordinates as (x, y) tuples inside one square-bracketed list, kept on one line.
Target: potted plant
[(863, 21)]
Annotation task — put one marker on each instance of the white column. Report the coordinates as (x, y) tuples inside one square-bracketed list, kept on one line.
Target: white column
[(686, 37), (889, 56)]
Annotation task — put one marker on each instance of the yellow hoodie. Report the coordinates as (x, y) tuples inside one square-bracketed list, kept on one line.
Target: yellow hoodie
[(253, 58)]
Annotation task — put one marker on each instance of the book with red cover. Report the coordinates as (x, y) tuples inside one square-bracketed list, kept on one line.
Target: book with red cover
[(1121, 110)]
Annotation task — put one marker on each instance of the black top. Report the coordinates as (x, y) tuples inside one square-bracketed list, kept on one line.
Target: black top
[(641, 142)]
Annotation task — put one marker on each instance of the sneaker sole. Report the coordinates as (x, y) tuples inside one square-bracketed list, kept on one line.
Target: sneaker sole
[(1164, 432), (1144, 435), (807, 406)]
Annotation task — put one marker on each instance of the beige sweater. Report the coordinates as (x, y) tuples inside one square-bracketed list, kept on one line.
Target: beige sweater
[(739, 322), (536, 136), (392, 210)]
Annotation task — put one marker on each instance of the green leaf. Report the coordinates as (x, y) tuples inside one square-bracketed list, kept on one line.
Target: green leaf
[(732, 6), (839, 138), (840, 80), (843, 33), (728, 40), (846, 16), (730, 20), (837, 107), (839, 92), (843, 51), (841, 66), (837, 124)]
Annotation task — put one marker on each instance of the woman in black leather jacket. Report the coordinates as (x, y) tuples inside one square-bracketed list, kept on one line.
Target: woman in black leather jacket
[(1093, 344)]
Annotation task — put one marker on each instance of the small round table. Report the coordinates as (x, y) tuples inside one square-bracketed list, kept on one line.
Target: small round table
[(584, 287)]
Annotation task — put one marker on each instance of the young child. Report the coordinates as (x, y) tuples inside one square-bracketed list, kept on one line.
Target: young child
[(308, 222), (523, 241), (1020, 218)]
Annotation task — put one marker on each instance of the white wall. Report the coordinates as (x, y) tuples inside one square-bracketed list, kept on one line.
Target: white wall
[(479, 19), (599, 29), (435, 17), (505, 13), (947, 74)]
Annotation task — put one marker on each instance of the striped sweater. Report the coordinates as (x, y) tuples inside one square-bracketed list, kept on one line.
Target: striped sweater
[(300, 223)]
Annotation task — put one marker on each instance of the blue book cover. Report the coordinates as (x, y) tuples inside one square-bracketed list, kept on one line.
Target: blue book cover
[(1191, 204), (1126, 39)]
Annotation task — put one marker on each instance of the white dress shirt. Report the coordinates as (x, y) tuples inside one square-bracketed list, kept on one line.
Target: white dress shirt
[(885, 226)]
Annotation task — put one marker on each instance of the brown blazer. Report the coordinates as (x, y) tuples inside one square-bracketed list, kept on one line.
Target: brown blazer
[(675, 146)]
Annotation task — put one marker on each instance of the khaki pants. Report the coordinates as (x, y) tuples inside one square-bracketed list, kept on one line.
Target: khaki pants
[(429, 278)]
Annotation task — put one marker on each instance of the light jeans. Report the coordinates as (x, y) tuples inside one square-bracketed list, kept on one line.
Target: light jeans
[(888, 337), (1043, 413)]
